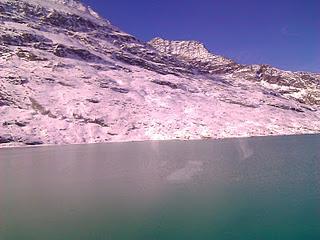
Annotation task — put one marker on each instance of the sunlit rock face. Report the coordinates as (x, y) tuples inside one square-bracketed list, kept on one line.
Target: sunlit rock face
[(190, 50), (69, 76)]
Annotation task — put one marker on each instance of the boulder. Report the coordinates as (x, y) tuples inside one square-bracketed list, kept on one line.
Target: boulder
[(6, 138), (32, 142)]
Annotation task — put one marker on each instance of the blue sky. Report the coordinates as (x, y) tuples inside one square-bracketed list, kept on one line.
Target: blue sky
[(282, 33)]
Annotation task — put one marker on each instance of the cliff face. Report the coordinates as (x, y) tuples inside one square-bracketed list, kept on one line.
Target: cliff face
[(69, 76)]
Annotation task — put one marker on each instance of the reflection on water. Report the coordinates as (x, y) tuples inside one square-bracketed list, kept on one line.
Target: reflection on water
[(187, 172), (255, 188)]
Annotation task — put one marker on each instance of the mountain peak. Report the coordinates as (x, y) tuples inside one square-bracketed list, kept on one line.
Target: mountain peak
[(69, 6), (70, 3), (66, 2), (190, 49)]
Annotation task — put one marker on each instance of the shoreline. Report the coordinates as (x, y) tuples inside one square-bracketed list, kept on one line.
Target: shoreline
[(18, 146)]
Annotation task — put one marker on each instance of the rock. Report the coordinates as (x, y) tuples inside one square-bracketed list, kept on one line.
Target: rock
[(21, 39), (69, 21), (166, 83), (8, 123), (17, 80), (32, 142), (120, 90), (107, 83), (4, 101), (93, 100), (285, 107), (29, 56), (21, 123), (174, 85), (6, 138), (191, 50), (65, 84), (99, 121), (15, 122), (61, 50)]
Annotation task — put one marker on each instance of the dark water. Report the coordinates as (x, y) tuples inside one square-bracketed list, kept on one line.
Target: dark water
[(258, 188)]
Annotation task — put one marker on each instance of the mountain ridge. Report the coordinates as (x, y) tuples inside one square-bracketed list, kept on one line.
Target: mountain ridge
[(196, 52)]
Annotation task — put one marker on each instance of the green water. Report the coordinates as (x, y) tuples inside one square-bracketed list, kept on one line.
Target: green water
[(257, 188)]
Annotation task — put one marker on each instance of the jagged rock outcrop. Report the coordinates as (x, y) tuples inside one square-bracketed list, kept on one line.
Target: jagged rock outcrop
[(69, 76), (191, 50), (195, 55)]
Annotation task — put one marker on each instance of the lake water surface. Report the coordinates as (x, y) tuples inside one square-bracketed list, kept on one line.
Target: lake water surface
[(251, 189)]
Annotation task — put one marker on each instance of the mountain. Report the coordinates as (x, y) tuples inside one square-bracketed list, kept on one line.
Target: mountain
[(301, 86), (69, 76)]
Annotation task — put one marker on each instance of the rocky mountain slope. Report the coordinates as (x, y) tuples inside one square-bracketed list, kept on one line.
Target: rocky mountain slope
[(301, 86), (69, 76)]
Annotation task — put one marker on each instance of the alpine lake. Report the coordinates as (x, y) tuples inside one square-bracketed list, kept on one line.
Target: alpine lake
[(260, 188)]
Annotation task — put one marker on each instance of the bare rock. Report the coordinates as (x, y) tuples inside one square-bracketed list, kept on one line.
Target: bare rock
[(33, 142), (6, 138)]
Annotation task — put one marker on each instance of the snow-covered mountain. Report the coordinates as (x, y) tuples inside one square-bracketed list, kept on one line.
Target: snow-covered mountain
[(69, 76), (302, 86)]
